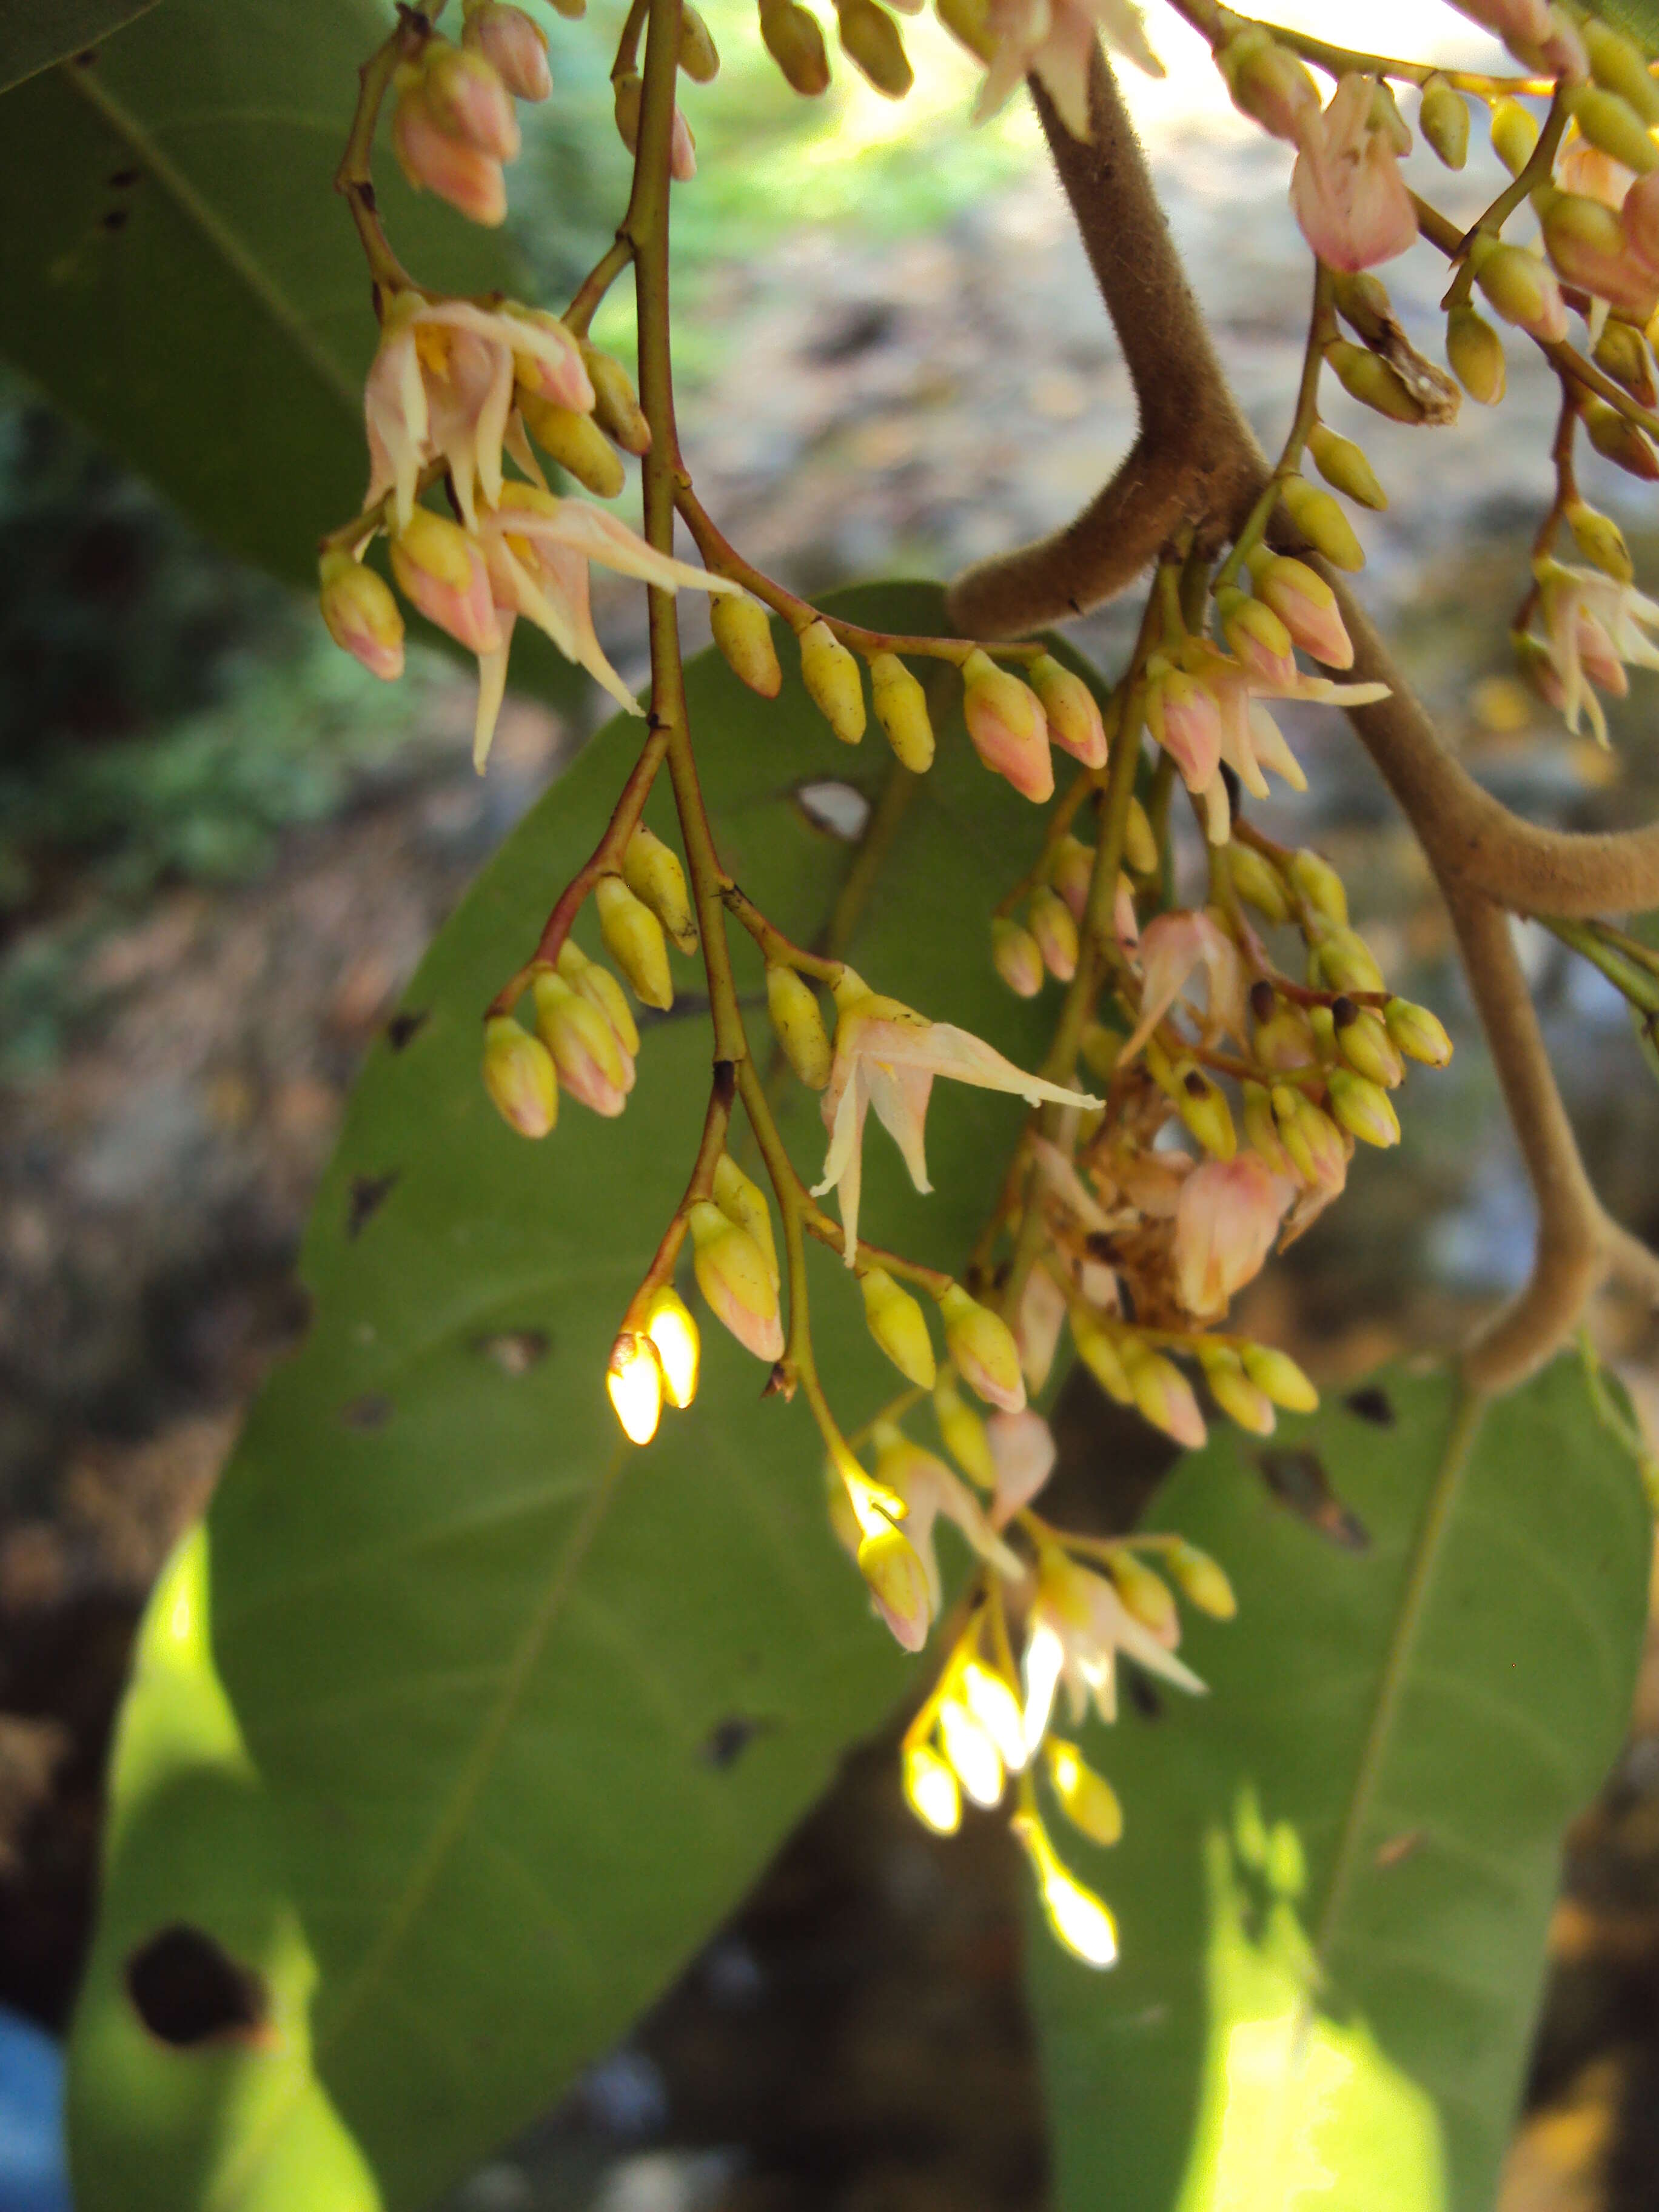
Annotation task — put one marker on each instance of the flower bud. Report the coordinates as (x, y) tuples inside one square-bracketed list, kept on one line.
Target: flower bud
[(1070, 867), (871, 38), (1017, 957), (1363, 1040), (1341, 463), (697, 56), (1418, 1033), (653, 873), (1321, 522), (1075, 1914), (1513, 135), (831, 676), (742, 1199), (1007, 726), (1639, 216), (1268, 83), (1618, 440), (1372, 382), (1619, 67), (1242, 1400), (1097, 1347), (634, 1379), (1146, 1594), (983, 1348), (1141, 847), (1256, 636), (1363, 1108), (1100, 1049), (745, 637), (1611, 124), (1184, 718), (799, 1024), (633, 936), (1342, 961), (1163, 1394), (466, 99), (1261, 1132), (627, 93), (1201, 1580), (1586, 242), (361, 615), (1054, 928), (733, 1277), (1087, 1799), (898, 1324), (600, 988), (591, 1065), (901, 710), (1476, 354), (1306, 604), (964, 1435), (1204, 1108), (576, 442), (1444, 117), (1074, 720), (515, 46), (795, 43), (616, 409), (1277, 1374), (1311, 1140), (1318, 887), (1623, 352), (440, 570), (892, 1567), (972, 1752), (931, 1790), (679, 1347), (1362, 299), (1523, 290), (1257, 882), (518, 1075)]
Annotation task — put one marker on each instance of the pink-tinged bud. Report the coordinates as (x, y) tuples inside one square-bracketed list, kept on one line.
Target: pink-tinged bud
[(1074, 720), (1017, 956), (682, 151), (1257, 639), (1070, 868), (628, 89), (733, 1276), (1226, 1217), (1054, 928), (1184, 717), (1268, 83), (982, 1347), (1640, 217), (1023, 1448), (1523, 290), (513, 46), (1306, 604), (517, 1072), (361, 615), (892, 1567), (591, 1065), (1162, 1393), (601, 989), (1346, 190), (468, 101), (1518, 23), (440, 570), (1007, 726), (433, 162), (964, 1435), (1590, 247), (1037, 1324)]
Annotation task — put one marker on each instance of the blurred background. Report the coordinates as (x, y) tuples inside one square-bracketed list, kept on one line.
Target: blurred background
[(224, 848)]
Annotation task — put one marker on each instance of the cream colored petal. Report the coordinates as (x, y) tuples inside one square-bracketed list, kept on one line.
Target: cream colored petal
[(606, 538), (492, 689), (900, 1096)]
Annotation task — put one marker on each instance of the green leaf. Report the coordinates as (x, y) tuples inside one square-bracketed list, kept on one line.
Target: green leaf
[(528, 1709), (1338, 1869), (33, 38)]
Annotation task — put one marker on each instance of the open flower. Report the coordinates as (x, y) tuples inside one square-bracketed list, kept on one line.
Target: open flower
[(886, 1056), (1226, 1217), (1054, 40), (1346, 190), (1592, 625), (1079, 1625), (1173, 949), (929, 1489)]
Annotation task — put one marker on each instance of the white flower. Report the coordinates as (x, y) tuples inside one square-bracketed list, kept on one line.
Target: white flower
[(1055, 41), (1592, 625), (1078, 1627)]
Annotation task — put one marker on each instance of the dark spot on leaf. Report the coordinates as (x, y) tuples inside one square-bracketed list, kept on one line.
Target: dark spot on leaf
[(1142, 1696), (514, 1351), (403, 1029), (371, 1412), (369, 1194), (123, 180), (188, 1991), (1371, 1404), (839, 810), (1298, 1479), (1393, 1849), (729, 1739), (116, 219)]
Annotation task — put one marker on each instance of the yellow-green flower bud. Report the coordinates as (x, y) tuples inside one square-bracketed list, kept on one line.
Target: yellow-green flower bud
[(1418, 1032), (1311, 1140), (871, 38), (1201, 1580), (964, 1435), (1623, 352), (1017, 956), (1261, 1131), (1476, 354), (1323, 1028), (1087, 1799), (361, 615), (1054, 928), (1513, 135), (1518, 285), (1342, 961), (1372, 382), (931, 1790), (518, 1075), (982, 1347), (1257, 882), (831, 674), (1445, 116), (1385, 117), (793, 1005), (1363, 1040), (1074, 718), (1100, 1049), (697, 55), (1620, 67), (1362, 299), (1613, 126), (1321, 522), (1581, 234), (1141, 854), (795, 43), (1144, 1592), (1239, 1399), (744, 635), (587, 1050), (1163, 1394), (1601, 541), (627, 94), (603, 991), (742, 1199), (633, 936), (1277, 1374), (575, 442), (892, 1567), (1341, 463), (1363, 1108), (901, 710), (653, 873), (898, 1325), (616, 409), (1317, 885), (733, 1276), (679, 1346), (1097, 1348), (1204, 1108), (1618, 440)]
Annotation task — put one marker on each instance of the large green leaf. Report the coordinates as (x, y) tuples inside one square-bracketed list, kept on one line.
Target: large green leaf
[(528, 1709), (33, 37), (1337, 1871)]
